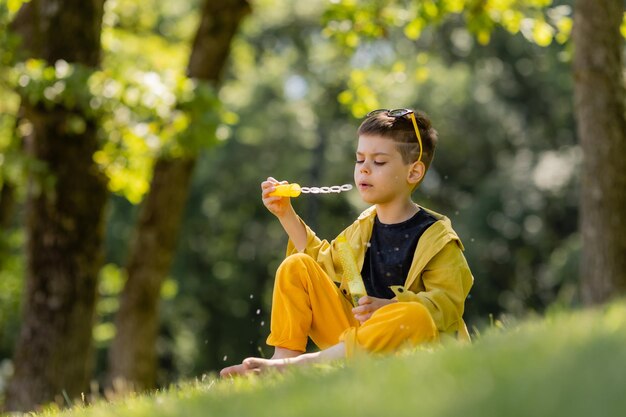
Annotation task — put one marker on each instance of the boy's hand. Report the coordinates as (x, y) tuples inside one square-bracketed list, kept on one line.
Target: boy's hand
[(278, 206), (367, 306)]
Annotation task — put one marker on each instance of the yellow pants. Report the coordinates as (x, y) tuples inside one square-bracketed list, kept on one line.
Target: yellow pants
[(307, 303)]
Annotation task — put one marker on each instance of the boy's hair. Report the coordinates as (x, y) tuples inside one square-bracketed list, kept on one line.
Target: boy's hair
[(402, 132)]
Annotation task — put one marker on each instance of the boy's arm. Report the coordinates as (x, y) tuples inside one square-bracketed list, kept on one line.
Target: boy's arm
[(294, 229), (447, 280)]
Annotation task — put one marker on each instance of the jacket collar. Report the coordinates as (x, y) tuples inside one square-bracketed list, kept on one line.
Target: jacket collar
[(369, 214)]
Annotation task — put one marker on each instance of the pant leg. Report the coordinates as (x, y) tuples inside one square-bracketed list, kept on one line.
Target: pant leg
[(390, 328), (306, 303)]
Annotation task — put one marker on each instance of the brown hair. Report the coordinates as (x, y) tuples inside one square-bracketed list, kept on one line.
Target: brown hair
[(402, 132)]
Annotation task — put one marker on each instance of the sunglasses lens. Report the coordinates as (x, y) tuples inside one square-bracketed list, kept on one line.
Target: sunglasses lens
[(399, 112), (375, 112)]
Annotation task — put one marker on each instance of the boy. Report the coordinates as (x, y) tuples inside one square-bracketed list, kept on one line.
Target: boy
[(410, 258)]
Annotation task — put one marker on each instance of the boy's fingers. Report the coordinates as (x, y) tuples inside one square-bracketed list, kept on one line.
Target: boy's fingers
[(271, 200), (362, 317), (267, 191), (365, 300), (361, 309)]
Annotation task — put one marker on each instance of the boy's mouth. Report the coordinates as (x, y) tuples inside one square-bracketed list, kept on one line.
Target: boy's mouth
[(364, 186)]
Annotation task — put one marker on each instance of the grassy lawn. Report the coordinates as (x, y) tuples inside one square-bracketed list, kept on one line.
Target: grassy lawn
[(566, 364)]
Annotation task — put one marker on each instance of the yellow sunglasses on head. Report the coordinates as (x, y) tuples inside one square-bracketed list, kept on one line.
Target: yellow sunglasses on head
[(396, 113)]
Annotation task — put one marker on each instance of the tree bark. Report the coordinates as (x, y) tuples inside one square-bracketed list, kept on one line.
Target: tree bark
[(64, 218), (599, 105), (7, 202), (132, 356)]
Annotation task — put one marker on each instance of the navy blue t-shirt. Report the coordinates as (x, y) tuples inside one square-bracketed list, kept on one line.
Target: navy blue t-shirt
[(390, 253)]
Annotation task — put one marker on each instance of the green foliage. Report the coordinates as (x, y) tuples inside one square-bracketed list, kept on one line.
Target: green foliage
[(174, 22), (142, 114), (11, 176), (11, 157), (11, 288), (351, 21), (110, 285), (569, 364), (8, 42), (144, 103)]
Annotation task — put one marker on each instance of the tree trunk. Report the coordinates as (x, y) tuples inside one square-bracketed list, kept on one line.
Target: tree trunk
[(7, 202), (132, 357), (599, 102), (64, 219)]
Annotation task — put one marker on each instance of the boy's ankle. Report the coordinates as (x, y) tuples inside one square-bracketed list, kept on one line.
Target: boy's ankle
[(284, 353)]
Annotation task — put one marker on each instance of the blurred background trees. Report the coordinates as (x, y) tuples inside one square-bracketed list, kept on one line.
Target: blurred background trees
[(497, 83)]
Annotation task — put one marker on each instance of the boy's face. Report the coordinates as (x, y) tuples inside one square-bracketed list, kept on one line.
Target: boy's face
[(380, 174)]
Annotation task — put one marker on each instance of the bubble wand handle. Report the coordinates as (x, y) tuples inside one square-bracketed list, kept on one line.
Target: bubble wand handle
[(350, 270), (286, 190)]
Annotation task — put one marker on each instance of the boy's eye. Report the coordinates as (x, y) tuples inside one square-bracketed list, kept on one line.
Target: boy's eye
[(359, 162), (379, 163)]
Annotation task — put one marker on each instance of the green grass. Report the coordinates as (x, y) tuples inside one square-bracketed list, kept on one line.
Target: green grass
[(567, 364)]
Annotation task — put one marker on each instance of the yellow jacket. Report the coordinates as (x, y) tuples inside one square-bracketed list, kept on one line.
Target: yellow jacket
[(439, 277)]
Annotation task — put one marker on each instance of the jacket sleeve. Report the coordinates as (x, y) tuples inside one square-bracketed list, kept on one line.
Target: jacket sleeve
[(447, 280)]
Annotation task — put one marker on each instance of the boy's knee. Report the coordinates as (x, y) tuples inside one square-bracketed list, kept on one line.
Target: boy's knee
[(299, 257), (297, 260), (419, 316), (416, 312), (414, 316), (292, 267)]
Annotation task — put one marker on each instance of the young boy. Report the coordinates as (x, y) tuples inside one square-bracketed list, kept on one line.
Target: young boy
[(411, 260)]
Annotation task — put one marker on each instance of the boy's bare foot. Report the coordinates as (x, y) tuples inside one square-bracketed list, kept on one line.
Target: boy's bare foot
[(258, 365)]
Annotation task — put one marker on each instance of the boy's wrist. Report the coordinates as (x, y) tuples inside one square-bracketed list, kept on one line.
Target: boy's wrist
[(289, 214)]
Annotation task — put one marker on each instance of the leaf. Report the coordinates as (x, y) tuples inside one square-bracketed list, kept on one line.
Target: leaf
[(564, 26), (542, 33), (483, 36), (421, 74), (414, 29), (14, 5)]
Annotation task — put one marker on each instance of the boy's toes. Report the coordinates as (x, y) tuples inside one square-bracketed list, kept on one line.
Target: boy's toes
[(249, 365), (255, 365), (233, 370)]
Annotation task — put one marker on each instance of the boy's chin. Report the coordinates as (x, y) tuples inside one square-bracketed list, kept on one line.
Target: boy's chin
[(369, 200)]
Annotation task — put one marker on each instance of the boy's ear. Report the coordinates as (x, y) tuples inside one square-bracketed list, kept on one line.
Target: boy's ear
[(416, 172)]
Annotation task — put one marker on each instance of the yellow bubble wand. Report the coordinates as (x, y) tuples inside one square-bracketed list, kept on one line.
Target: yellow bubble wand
[(350, 270), (294, 190)]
